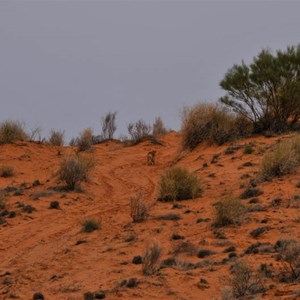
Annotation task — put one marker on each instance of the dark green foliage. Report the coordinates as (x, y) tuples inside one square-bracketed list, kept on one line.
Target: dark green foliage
[(90, 225), (6, 171), (54, 205), (267, 91)]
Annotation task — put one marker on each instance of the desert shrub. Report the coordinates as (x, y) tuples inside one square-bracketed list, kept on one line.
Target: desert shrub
[(11, 131), (85, 140), (138, 208), (74, 169), (228, 211), (7, 171), (3, 197), (90, 225), (290, 254), (212, 124), (54, 205), (284, 159), (245, 281), (36, 134), (177, 183), (158, 127), (108, 125), (248, 149), (150, 261), (138, 130), (56, 138)]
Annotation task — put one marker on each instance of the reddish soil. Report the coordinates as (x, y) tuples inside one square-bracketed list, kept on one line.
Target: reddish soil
[(39, 252)]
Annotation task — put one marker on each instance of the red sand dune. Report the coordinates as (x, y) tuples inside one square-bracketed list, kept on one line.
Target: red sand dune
[(39, 252)]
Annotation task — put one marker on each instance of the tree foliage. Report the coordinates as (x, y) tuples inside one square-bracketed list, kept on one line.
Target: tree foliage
[(267, 91)]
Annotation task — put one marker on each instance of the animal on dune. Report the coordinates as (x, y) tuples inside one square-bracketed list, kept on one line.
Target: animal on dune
[(151, 157)]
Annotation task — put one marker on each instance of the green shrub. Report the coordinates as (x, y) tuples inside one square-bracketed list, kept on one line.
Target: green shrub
[(74, 169), (228, 211), (284, 159), (90, 225), (12, 131), (212, 124), (56, 138), (248, 149), (179, 184), (7, 171)]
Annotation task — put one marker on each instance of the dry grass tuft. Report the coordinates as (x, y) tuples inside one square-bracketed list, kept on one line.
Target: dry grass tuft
[(212, 124), (229, 211), (284, 159), (138, 208), (178, 183), (151, 257)]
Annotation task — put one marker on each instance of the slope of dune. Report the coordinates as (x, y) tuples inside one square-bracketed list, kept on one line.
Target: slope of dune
[(46, 251)]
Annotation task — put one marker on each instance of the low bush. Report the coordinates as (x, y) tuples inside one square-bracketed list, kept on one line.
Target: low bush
[(138, 130), (151, 257), (12, 131), (90, 225), (85, 140), (290, 254), (159, 128), (138, 208), (178, 183), (7, 171), (284, 159), (228, 211), (74, 169), (245, 281), (56, 138), (212, 124)]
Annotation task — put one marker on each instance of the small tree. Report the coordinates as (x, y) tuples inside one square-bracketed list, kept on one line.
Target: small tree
[(267, 91), (108, 125)]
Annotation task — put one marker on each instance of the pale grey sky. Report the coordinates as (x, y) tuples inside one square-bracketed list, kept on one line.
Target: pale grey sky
[(64, 64)]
